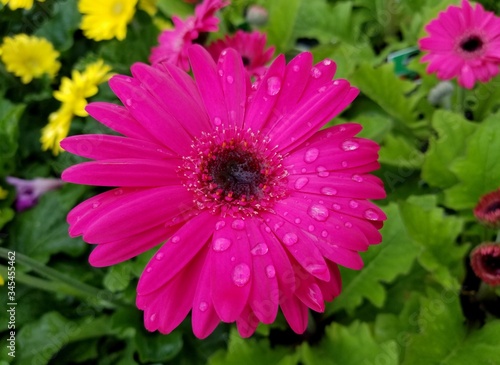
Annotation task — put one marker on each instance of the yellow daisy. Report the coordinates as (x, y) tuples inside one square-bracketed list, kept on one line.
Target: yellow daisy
[(106, 19), (19, 4), (73, 94), (29, 57)]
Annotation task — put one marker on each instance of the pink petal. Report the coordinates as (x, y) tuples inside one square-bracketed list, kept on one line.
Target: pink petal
[(332, 288), (247, 323), (295, 312)]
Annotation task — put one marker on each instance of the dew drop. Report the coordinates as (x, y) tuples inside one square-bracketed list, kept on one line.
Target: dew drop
[(270, 271), (229, 79), (353, 204), (290, 238), (238, 224), (370, 214), (297, 220), (349, 145), (304, 170), (336, 206), (322, 89), (327, 62), (152, 317), (96, 205), (159, 256), (301, 182), (128, 102), (221, 244), (233, 259), (324, 234), (310, 228), (322, 172), (217, 121), (118, 192), (260, 249), (328, 190), (149, 269), (273, 85), (344, 163), (175, 239), (318, 212), (221, 73), (203, 306), (348, 224), (315, 72), (268, 230), (311, 155), (219, 225), (357, 178), (241, 275), (296, 68)]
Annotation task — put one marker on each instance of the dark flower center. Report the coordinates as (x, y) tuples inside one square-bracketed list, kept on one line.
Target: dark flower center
[(471, 44), (492, 264), (493, 207), (237, 173), (246, 60)]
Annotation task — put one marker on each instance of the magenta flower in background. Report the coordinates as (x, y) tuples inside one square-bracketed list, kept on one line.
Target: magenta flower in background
[(28, 191), (487, 210), (174, 43), (251, 46), (463, 42), (485, 262), (256, 203)]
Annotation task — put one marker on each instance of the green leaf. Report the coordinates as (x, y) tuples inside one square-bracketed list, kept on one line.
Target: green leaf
[(157, 347), (453, 132), (118, 277), (282, 17), (6, 215), (375, 126), (435, 234), (479, 170), (352, 345), (250, 352), (486, 96), (399, 151), (9, 131), (443, 339), (383, 263), (175, 7), (42, 230)]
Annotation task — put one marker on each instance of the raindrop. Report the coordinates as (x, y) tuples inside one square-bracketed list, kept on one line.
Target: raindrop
[(128, 102), (159, 256), (349, 145), (313, 294), (273, 85), (304, 170), (357, 178), (296, 68), (297, 220), (336, 82), (318, 212), (217, 121), (221, 73), (322, 172), (241, 275), (153, 317), (176, 239), (310, 228), (327, 62), (344, 163), (328, 190), (290, 238), (260, 249), (301, 182), (270, 271), (315, 72), (315, 268), (311, 155), (322, 89), (268, 230), (229, 79), (353, 204), (96, 204), (221, 244), (203, 306), (336, 206), (219, 225), (149, 269), (370, 214), (324, 234), (348, 224), (238, 224)]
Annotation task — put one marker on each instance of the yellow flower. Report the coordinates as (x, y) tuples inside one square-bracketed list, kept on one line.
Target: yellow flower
[(3, 193), (1, 280), (73, 94), (149, 6), (106, 19), (29, 57), (19, 4)]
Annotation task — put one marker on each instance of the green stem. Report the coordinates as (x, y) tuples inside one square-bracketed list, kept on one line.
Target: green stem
[(76, 287), (460, 100)]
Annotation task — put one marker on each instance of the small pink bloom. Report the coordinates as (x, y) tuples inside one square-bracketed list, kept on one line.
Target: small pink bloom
[(487, 211), (251, 47), (174, 43), (463, 42), (255, 204), (485, 261), (28, 191)]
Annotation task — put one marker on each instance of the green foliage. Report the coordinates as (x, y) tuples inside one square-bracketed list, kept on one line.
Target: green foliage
[(282, 17)]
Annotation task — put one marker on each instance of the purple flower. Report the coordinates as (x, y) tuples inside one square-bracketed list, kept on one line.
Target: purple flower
[(28, 191)]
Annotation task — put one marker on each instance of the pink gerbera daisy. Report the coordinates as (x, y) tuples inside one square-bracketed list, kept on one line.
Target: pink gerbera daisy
[(251, 46), (174, 43), (256, 204), (463, 42)]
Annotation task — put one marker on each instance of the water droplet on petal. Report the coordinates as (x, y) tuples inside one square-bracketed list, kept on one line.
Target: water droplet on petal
[(296, 68), (152, 317), (221, 244), (315, 72), (217, 121), (310, 228), (357, 178), (328, 190), (290, 238), (270, 271), (324, 234), (175, 239), (349, 145), (322, 89), (322, 172), (301, 182), (149, 269), (327, 62), (203, 306), (221, 73), (344, 163), (229, 79), (353, 204), (128, 102), (260, 249), (273, 85), (118, 191), (318, 212), (268, 230), (219, 225), (348, 224), (238, 224), (96, 205), (311, 155), (370, 214), (336, 206), (159, 256), (297, 220), (241, 275)]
